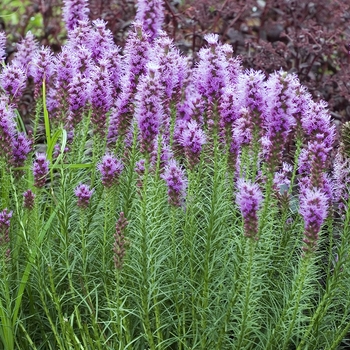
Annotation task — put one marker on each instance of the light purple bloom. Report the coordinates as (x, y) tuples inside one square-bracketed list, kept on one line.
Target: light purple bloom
[(281, 100), (29, 198), (192, 139), (176, 182), (151, 14), (42, 66), (110, 169), (100, 92), (77, 98), (13, 81), (84, 194), (22, 145), (26, 50), (136, 53), (249, 198), (149, 110), (313, 209), (101, 40), (74, 11), (7, 131), (211, 74), (40, 170)]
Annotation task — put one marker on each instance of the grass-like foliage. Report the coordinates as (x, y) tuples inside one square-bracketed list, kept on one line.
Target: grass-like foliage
[(155, 205)]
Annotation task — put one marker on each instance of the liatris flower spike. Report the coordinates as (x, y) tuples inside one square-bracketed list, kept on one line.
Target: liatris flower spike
[(249, 198), (314, 209), (75, 11), (40, 170), (5, 216), (119, 241), (84, 194), (28, 199), (176, 182), (110, 169)]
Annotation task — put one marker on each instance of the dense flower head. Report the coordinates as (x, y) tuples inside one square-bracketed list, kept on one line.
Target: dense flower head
[(2, 46), (80, 35), (228, 107), (249, 198), (151, 14), (5, 217), (280, 97), (21, 147), (65, 67), (13, 81), (149, 111), (313, 209), (77, 98), (7, 130), (250, 90), (40, 169), (136, 55), (192, 139), (26, 50), (42, 66), (173, 66), (101, 40), (83, 61), (211, 73), (110, 169), (176, 181), (74, 11), (119, 241), (83, 194), (100, 92), (28, 199)]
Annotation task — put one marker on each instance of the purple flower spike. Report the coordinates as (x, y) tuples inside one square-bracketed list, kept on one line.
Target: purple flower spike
[(21, 147), (7, 131), (281, 106), (84, 194), (192, 139), (13, 81), (249, 198), (110, 169), (100, 91), (149, 111), (26, 50), (313, 208), (5, 216), (2, 46), (40, 170), (75, 11), (176, 182), (29, 198), (43, 65), (119, 241), (151, 14)]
